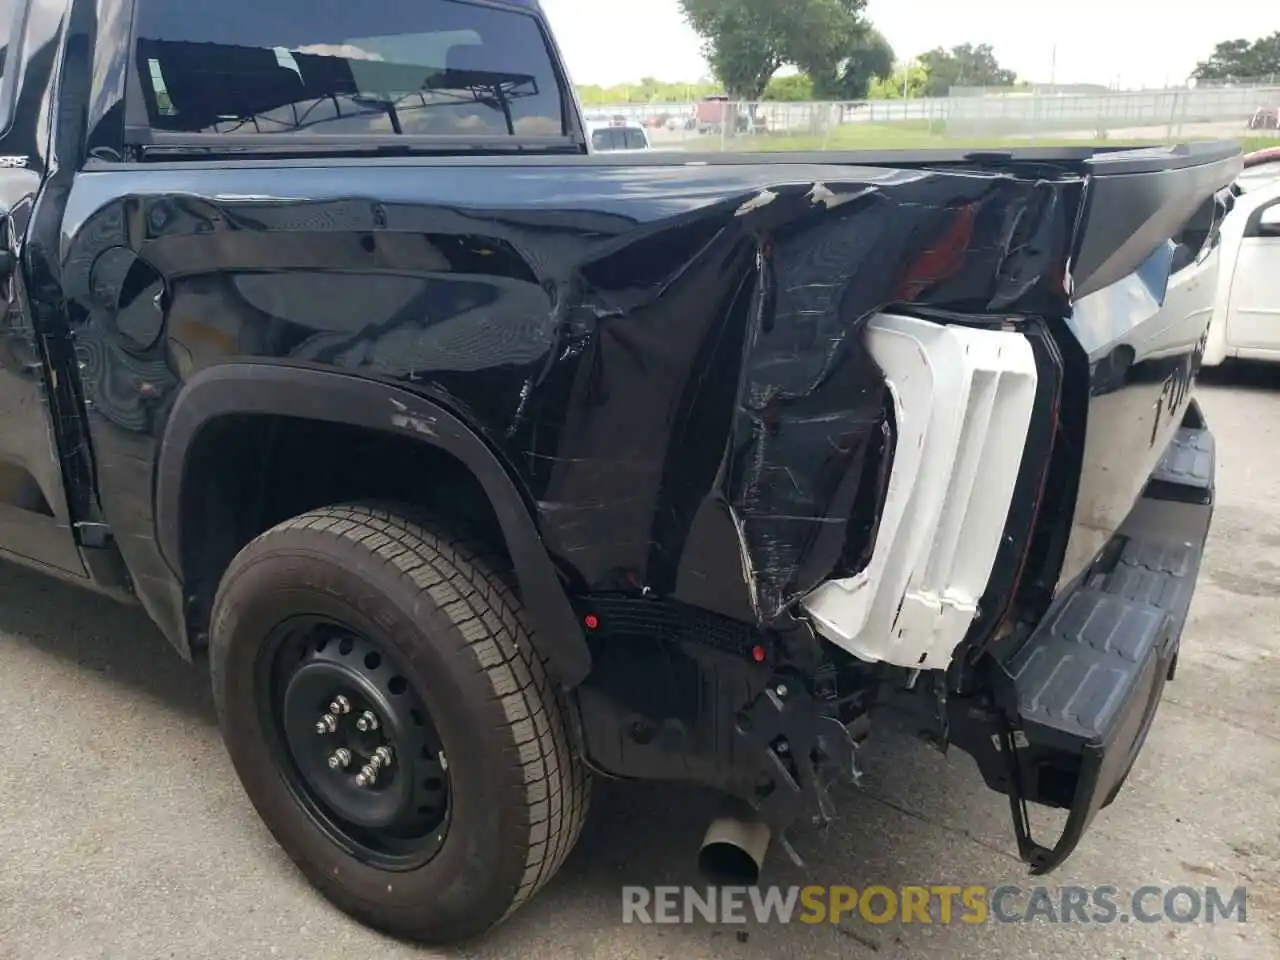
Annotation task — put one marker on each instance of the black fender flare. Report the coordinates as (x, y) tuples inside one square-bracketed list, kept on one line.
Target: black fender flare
[(266, 388)]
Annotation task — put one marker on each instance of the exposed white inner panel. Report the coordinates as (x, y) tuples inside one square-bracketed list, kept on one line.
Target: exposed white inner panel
[(962, 402)]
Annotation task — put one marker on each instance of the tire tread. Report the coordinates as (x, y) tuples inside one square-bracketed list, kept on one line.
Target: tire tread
[(472, 584)]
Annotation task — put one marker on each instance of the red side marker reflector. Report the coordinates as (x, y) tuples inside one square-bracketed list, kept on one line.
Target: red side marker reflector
[(591, 621), (757, 653)]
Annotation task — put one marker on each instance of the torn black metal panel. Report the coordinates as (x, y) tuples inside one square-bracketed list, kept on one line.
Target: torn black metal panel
[(666, 357), (637, 446), (813, 399)]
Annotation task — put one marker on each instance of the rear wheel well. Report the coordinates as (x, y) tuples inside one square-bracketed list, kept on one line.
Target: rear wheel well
[(246, 473)]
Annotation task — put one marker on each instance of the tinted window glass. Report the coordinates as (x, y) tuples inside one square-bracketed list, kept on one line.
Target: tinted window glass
[(8, 18), (352, 67), (635, 140), (604, 140)]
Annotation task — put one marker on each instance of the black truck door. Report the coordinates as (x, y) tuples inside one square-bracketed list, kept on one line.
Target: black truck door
[(35, 525)]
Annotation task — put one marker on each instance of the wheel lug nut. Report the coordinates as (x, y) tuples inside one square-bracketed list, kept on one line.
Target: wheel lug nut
[(341, 759), (367, 722), (326, 724), (382, 756), (367, 776), (340, 705), (444, 761)]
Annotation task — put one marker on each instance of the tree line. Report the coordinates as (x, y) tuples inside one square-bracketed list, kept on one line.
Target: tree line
[(932, 75), (1242, 60), (839, 55)]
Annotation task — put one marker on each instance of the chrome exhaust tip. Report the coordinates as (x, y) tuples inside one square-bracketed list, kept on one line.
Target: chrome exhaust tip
[(733, 850)]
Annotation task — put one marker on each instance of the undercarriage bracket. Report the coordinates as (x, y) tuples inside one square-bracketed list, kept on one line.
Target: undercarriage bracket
[(804, 752)]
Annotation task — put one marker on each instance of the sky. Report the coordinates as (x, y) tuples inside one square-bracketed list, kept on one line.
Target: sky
[(1097, 41)]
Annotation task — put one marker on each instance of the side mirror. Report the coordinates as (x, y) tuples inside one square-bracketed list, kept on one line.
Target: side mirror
[(1269, 222)]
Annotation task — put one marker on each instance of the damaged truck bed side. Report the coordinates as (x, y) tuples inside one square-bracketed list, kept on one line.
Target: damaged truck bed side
[(477, 464), (886, 449)]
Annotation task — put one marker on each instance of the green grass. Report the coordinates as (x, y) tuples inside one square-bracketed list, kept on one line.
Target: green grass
[(912, 135)]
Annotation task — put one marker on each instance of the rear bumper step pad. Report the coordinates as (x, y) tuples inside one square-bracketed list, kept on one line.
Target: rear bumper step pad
[(1080, 693), (1185, 472)]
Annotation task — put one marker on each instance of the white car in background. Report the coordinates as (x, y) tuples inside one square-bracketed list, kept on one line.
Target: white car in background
[(617, 136), (1246, 312)]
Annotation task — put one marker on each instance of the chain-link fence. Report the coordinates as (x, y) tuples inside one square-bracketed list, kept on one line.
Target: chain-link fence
[(1202, 111), (1033, 114)]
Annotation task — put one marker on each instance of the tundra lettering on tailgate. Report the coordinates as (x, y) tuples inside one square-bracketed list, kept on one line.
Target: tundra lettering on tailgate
[(1176, 387)]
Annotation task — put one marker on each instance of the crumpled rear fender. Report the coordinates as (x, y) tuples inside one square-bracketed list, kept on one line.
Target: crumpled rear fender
[(769, 415)]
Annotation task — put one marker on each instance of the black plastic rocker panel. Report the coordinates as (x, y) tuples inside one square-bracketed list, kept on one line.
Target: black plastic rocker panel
[(666, 686), (680, 694)]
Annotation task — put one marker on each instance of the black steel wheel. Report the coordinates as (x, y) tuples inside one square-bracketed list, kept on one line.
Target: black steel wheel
[(390, 718), (355, 742)]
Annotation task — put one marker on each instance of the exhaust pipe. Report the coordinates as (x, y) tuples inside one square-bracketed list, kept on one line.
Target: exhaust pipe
[(734, 847)]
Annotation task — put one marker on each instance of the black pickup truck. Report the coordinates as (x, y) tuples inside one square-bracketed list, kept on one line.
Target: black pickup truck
[(476, 464)]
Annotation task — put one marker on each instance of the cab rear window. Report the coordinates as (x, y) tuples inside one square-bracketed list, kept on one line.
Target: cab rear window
[(11, 16), (336, 67)]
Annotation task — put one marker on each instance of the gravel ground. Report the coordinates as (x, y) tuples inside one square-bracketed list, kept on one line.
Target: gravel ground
[(125, 834)]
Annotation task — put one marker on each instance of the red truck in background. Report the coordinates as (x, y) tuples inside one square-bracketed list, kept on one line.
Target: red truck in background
[(709, 114), (712, 115)]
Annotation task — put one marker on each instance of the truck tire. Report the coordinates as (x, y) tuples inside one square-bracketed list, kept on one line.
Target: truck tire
[(352, 611)]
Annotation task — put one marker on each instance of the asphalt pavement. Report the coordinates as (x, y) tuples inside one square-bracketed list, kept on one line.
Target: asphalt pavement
[(125, 835)]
